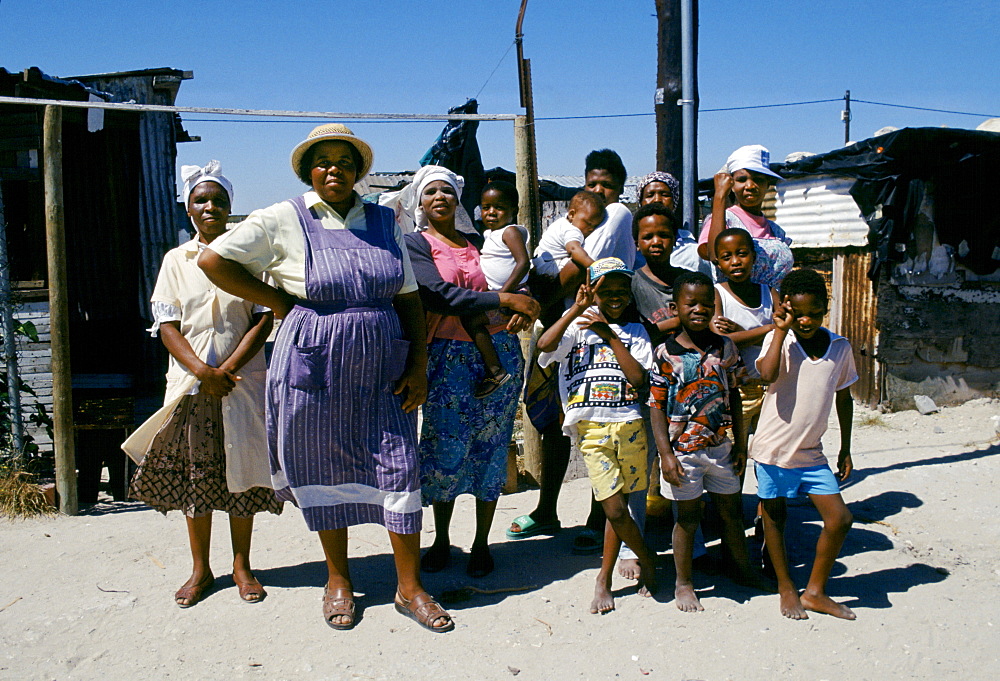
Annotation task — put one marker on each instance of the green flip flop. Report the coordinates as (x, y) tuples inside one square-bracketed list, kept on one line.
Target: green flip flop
[(530, 528)]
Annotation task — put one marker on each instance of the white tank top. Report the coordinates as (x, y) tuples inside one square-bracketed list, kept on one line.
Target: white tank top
[(748, 318), (496, 260)]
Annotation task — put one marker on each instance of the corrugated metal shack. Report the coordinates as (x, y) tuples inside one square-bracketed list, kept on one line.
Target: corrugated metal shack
[(905, 226), (121, 216)]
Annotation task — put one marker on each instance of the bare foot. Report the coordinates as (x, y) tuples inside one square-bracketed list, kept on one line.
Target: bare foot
[(647, 578), (824, 604), (629, 568), (791, 606), (687, 600), (603, 602)]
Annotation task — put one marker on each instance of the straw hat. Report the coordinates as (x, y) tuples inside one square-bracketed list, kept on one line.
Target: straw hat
[(333, 131)]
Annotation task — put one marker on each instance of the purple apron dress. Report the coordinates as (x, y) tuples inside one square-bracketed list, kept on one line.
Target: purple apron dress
[(341, 448)]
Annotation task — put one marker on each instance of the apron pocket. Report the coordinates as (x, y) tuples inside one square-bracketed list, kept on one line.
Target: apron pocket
[(395, 363), (308, 370)]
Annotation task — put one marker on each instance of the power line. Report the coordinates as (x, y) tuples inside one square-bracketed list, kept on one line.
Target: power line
[(509, 47), (924, 108), (731, 108)]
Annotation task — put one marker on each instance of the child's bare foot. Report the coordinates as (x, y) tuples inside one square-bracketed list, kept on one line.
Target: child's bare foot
[(791, 606), (647, 578), (687, 600), (629, 568), (603, 602), (824, 604)]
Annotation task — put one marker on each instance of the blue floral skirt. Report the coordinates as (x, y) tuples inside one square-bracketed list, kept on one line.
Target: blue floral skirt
[(464, 441)]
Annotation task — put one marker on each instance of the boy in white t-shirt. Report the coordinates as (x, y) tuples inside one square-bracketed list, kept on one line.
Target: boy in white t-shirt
[(604, 364), (808, 371)]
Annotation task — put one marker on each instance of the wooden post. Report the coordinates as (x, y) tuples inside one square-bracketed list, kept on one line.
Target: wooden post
[(529, 215), (10, 348), (62, 382)]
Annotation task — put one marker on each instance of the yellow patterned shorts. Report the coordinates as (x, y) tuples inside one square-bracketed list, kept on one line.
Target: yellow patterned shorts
[(615, 454), (752, 393)]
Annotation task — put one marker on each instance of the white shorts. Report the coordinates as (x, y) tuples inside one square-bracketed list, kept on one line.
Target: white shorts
[(705, 470)]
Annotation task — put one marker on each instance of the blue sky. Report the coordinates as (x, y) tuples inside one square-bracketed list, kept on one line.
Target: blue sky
[(588, 57)]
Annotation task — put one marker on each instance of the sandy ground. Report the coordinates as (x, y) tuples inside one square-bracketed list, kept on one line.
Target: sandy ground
[(90, 597)]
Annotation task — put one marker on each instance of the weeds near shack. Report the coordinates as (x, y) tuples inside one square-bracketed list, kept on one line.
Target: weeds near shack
[(20, 497), (873, 420)]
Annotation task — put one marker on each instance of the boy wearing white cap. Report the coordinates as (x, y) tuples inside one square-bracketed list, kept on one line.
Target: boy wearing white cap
[(747, 176), (604, 362)]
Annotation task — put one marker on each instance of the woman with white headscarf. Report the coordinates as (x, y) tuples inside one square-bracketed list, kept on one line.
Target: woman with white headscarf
[(206, 450), (464, 440)]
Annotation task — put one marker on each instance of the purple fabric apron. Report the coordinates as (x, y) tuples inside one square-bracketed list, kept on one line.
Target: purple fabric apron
[(341, 448)]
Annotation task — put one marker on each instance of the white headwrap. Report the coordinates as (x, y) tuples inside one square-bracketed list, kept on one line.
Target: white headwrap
[(195, 175)]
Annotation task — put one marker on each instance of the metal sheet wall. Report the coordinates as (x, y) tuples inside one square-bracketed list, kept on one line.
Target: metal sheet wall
[(858, 310), (817, 212)]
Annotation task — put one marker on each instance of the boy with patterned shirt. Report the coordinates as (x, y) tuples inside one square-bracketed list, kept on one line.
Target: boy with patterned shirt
[(694, 394), (604, 364)]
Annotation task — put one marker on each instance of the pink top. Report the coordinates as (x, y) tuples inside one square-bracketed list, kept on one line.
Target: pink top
[(459, 266), (758, 226)]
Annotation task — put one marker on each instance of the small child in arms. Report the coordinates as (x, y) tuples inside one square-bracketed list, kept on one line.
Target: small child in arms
[(563, 242), (604, 364), (693, 395), (808, 371), (505, 263)]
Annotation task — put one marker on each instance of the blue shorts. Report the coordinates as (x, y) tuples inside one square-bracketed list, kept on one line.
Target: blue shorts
[(774, 482)]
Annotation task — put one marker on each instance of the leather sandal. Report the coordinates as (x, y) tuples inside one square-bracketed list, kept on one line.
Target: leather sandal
[(193, 594), (249, 590), (424, 610), (338, 603)]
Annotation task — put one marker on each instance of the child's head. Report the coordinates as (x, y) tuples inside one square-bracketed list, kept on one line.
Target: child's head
[(694, 301), (654, 227), (586, 211), (735, 253), (805, 290), (604, 174), (498, 204), (752, 175), (612, 284)]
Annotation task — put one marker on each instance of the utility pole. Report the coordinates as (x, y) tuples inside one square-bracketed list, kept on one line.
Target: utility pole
[(670, 96), (845, 116)]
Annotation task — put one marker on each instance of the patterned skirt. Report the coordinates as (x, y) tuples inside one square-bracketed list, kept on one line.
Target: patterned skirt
[(185, 467), (464, 441)]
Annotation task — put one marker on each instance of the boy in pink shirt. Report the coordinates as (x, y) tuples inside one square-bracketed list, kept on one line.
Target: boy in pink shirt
[(809, 371)]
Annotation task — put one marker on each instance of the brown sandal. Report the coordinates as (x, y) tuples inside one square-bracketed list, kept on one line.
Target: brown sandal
[(424, 610), (193, 594), (249, 589), (338, 603)]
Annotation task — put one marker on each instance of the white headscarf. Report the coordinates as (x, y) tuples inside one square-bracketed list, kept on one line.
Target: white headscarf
[(195, 175)]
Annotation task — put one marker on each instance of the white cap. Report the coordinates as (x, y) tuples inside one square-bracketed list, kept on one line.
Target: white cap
[(751, 157)]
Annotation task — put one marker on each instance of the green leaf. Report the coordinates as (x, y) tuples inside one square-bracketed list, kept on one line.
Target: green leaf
[(27, 329)]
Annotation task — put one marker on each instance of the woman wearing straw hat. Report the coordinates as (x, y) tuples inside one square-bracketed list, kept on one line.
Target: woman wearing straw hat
[(349, 367)]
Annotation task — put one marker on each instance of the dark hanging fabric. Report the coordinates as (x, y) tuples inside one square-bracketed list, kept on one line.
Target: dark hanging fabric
[(895, 170), (457, 150)]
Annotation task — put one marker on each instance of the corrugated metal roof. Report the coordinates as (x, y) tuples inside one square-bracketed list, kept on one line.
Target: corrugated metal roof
[(817, 211)]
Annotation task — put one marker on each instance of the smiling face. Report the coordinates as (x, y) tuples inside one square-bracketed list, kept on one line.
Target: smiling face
[(807, 314), (333, 171), (657, 192), (735, 253), (655, 239), (695, 306), (601, 182), (749, 186), (208, 206), (439, 201), (612, 294), (496, 210)]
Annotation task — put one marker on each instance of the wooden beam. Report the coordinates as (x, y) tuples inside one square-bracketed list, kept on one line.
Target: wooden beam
[(62, 382)]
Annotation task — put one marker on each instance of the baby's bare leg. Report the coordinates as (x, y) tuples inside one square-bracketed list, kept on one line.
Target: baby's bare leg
[(688, 517), (775, 513), (836, 522), (476, 327)]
